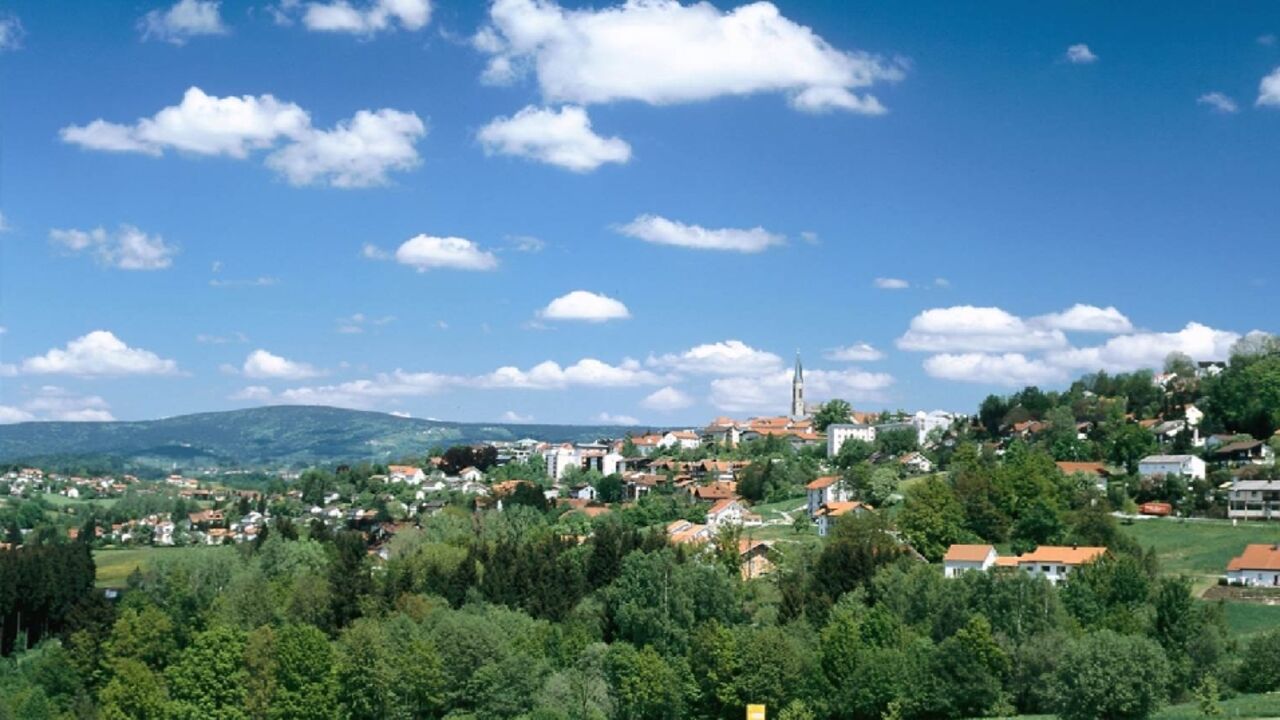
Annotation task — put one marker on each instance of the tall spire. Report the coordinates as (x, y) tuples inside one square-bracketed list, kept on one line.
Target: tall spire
[(797, 389)]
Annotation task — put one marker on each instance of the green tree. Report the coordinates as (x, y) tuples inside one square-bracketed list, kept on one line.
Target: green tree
[(833, 412), (208, 679), (1109, 676), (134, 693), (932, 518)]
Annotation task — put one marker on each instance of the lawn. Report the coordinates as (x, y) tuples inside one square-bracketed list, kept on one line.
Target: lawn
[(1243, 706), (61, 501), (1200, 548), (115, 564), (773, 511), (1246, 618)]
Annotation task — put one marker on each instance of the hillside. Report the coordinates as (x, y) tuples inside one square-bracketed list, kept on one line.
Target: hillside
[(267, 436)]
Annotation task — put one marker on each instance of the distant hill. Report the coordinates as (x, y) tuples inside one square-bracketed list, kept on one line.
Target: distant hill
[(264, 437)]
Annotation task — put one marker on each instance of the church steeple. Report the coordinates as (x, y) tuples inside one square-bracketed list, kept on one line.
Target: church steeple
[(797, 389)]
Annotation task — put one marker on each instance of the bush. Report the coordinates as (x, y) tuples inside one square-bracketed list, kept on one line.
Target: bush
[(1105, 675)]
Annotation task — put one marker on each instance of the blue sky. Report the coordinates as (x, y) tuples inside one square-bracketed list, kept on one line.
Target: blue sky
[(376, 204)]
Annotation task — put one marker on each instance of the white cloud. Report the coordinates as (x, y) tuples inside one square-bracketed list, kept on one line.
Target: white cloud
[(858, 352), (1086, 318), (426, 252), (562, 138), (609, 419), (1267, 40), (885, 283), (1148, 349), (588, 372), (356, 323), (771, 393), (659, 230), (98, 353), (1080, 54), (1218, 101), (512, 416), (10, 414), (11, 32), (981, 329), (210, 339), (260, 281), (1011, 369), (52, 403), (263, 364), (358, 152), (1269, 90), (375, 16), (527, 243), (369, 251), (667, 399), (661, 52), (730, 357), (386, 388), (584, 305), (4, 224), (181, 22)]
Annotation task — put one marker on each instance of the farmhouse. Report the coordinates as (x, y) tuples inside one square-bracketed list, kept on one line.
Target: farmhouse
[(1258, 565)]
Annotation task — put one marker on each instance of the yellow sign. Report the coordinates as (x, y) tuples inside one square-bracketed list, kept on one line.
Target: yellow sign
[(755, 712)]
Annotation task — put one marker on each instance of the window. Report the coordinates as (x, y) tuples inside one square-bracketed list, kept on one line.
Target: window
[(1062, 568), (1046, 568)]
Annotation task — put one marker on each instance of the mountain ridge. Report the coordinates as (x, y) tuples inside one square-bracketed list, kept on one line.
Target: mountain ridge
[(269, 436)]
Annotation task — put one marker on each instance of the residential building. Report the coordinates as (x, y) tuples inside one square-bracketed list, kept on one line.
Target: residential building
[(1245, 452), (1186, 465), (838, 433), (405, 474), (826, 489), (1254, 500), (828, 513), (1052, 562), (728, 511), (963, 558), (470, 474), (1096, 470), (1258, 566), (916, 462)]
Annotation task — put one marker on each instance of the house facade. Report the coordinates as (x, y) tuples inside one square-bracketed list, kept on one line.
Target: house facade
[(837, 434), (1185, 465), (1254, 500), (827, 514), (964, 558), (825, 490), (1257, 566)]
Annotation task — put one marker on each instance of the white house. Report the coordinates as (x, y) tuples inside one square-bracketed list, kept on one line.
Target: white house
[(406, 474), (927, 422), (829, 512), (916, 462), (825, 490), (471, 474), (728, 510), (585, 491), (963, 558), (1187, 465), (838, 433), (1258, 565)]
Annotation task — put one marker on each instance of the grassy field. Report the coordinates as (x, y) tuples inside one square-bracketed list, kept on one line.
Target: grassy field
[(61, 501), (1243, 706), (1200, 548), (773, 511), (1246, 618), (114, 565)]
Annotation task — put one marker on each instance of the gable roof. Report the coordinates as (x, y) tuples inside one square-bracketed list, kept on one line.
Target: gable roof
[(1062, 555), (1088, 468), (836, 509), (823, 482), (1256, 557), (968, 553)]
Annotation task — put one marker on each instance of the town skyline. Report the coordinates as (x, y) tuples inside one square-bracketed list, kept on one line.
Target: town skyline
[(427, 208)]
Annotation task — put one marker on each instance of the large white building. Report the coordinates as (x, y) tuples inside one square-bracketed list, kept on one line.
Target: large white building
[(1051, 562), (837, 435), (1187, 465), (824, 491)]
